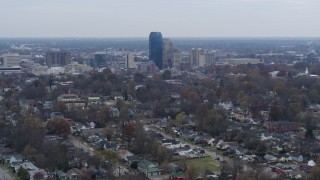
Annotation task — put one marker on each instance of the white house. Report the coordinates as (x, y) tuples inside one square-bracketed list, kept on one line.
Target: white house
[(118, 170), (16, 158)]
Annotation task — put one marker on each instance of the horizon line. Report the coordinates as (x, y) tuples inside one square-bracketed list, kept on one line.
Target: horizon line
[(145, 37)]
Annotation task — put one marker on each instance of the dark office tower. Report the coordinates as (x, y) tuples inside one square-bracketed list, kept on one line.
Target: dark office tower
[(99, 59), (57, 58), (155, 48)]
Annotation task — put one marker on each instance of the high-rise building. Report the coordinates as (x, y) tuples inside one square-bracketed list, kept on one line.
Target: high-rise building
[(11, 59), (174, 58), (167, 57), (156, 48), (129, 61), (57, 58), (210, 58), (99, 59), (197, 57)]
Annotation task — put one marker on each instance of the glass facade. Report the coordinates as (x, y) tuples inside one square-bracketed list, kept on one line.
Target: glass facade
[(155, 48)]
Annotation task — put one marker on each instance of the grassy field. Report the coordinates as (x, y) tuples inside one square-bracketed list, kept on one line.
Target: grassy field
[(185, 140), (202, 164), (213, 149)]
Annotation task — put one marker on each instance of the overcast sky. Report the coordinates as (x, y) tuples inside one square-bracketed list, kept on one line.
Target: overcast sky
[(174, 18)]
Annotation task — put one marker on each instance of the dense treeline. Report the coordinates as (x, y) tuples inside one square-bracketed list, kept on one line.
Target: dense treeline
[(249, 87)]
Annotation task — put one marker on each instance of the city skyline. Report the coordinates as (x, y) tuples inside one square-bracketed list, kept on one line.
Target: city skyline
[(180, 18)]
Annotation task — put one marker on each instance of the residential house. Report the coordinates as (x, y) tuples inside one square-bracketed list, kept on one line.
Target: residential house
[(30, 167), (266, 136), (240, 151), (175, 146), (61, 175), (119, 170), (223, 146), (74, 174), (311, 163), (239, 118), (226, 105), (111, 146), (177, 176), (191, 153), (282, 166), (219, 143), (67, 98), (132, 159), (72, 100), (86, 132), (270, 158), (93, 138), (284, 158), (211, 141), (296, 158), (116, 98), (188, 134), (175, 151), (277, 147), (149, 168), (281, 126), (201, 139), (199, 151), (235, 127), (48, 104), (167, 142), (161, 124), (211, 175), (16, 158), (94, 100)]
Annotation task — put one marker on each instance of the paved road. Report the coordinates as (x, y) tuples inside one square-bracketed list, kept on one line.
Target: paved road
[(4, 175), (79, 144)]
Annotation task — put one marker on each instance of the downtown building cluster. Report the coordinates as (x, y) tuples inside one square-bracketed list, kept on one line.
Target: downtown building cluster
[(160, 54)]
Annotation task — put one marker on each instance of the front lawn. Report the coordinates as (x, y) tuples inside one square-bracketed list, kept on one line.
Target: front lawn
[(203, 164)]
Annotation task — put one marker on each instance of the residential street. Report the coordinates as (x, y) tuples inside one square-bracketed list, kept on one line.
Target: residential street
[(77, 143), (4, 175)]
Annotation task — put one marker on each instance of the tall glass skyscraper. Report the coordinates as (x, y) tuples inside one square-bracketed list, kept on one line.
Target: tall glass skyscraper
[(155, 48)]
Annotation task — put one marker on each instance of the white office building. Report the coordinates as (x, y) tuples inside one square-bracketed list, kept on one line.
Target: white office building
[(11, 60)]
